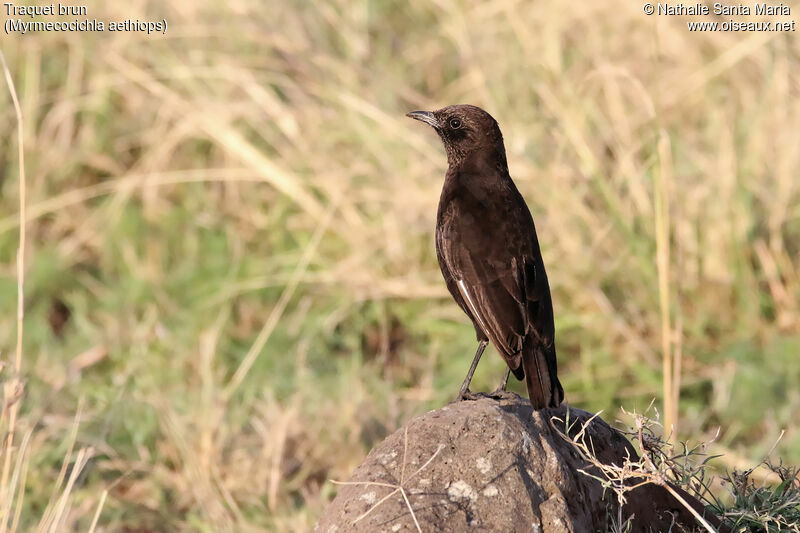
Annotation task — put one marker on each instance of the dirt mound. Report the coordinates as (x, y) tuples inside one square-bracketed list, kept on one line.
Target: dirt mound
[(495, 464)]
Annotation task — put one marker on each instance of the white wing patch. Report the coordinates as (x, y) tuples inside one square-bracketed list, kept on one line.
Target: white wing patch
[(462, 288)]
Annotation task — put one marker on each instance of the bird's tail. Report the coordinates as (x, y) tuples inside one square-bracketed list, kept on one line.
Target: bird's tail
[(541, 374)]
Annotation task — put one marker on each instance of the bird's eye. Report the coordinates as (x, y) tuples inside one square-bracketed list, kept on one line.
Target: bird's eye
[(455, 123)]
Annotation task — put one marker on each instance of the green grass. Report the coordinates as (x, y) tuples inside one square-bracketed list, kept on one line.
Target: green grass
[(179, 186)]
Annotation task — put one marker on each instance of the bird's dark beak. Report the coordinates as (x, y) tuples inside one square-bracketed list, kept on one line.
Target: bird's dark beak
[(425, 116)]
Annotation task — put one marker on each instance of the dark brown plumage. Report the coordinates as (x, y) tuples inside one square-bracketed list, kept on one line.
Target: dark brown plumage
[(489, 254)]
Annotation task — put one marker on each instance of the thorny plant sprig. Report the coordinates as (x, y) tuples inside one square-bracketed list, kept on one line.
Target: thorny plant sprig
[(654, 467)]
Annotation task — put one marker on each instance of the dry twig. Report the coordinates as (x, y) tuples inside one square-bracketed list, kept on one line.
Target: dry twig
[(400, 487), (624, 478)]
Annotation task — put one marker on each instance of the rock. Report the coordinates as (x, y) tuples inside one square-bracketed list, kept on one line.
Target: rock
[(495, 464)]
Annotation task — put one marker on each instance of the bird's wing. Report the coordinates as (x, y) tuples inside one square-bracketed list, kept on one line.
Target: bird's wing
[(532, 283), (452, 284), (518, 320), (495, 298)]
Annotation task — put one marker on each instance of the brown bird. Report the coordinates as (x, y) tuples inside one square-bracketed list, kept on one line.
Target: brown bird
[(489, 254)]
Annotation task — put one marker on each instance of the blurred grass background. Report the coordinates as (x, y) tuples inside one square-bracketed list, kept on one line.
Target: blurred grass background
[(230, 262)]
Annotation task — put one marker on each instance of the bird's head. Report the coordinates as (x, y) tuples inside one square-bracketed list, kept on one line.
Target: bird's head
[(465, 131)]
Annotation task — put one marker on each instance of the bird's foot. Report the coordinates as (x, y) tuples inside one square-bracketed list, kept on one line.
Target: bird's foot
[(466, 395), (501, 394), (497, 394)]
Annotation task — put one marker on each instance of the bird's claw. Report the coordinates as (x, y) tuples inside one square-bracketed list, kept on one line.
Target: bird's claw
[(466, 395), (500, 393)]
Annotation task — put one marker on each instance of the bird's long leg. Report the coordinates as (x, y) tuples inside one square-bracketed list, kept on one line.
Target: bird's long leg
[(502, 388), (505, 380), (465, 385)]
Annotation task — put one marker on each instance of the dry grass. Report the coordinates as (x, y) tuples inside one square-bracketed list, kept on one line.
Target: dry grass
[(751, 504), (13, 479), (632, 474), (238, 217), (12, 389)]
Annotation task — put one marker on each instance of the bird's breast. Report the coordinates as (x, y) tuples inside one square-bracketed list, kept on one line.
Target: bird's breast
[(485, 217), (474, 231)]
